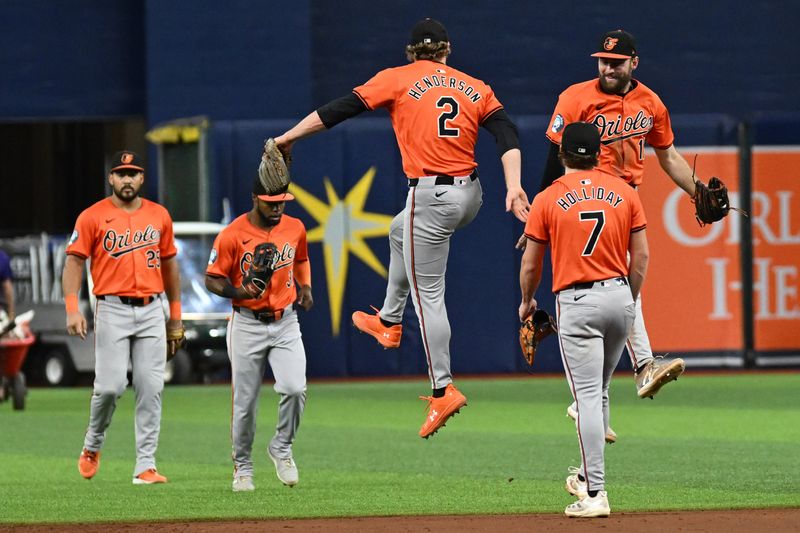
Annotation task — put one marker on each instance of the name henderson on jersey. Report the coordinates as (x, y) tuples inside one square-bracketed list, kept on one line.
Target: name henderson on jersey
[(440, 80), (572, 198)]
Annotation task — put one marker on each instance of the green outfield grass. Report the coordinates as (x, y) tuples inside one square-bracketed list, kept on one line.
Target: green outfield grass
[(706, 442)]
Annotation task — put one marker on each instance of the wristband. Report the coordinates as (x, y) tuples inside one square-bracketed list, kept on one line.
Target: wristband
[(175, 310), (71, 303)]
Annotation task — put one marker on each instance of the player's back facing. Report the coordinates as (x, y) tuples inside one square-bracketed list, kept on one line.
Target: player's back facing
[(436, 111)]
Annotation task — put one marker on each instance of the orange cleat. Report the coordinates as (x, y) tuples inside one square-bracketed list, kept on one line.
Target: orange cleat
[(441, 409), (388, 337), (88, 463), (148, 477)]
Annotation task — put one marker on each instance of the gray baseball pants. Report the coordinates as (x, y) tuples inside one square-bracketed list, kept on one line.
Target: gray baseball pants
[(593, 324), (251, 344), (137, 334), (420, 245)]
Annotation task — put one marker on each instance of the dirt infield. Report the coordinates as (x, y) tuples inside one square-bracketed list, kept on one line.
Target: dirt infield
[(747, 520)]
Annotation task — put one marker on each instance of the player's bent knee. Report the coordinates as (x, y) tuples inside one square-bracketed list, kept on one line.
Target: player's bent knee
[(294, 391), (110, 392)]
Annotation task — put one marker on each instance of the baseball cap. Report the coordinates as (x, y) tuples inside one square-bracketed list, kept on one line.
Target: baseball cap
[(126, 159), (617, 44), (580, 138), (428, 31), (271, 196)]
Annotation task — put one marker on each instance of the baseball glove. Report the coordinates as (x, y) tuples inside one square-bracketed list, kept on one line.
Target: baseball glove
[(532, 331), (711, 202), (265, 257), (175, 339), (273, 171)]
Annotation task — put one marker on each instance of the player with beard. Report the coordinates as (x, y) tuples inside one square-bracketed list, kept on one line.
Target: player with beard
[(132, 249), (627, 113)]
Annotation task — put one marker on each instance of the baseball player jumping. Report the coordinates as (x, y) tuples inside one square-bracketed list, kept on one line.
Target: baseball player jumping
[(264, 327), (591, 220), (436, 111), (627, 114), (130, 243)]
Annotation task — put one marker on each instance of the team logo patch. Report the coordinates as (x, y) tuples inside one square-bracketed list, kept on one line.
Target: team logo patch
[(73, 237), (213, 257), (610, 43), (127, 158), (558, 124)]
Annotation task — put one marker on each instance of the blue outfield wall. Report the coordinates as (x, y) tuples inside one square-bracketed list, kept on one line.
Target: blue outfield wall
[(483, 271)]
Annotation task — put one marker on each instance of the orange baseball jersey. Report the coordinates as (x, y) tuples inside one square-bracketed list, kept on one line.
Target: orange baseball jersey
[(587, 218), (233, 251), (625, 123), (125, 249), (436, 112)]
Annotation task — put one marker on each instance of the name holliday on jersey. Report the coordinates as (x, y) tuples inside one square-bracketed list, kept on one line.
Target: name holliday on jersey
[(440, 80), (120, 244), (574, 197), (620, 128)]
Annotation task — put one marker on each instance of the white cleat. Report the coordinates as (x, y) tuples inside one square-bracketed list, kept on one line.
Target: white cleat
[(574, 485), (656, 374), (588, 507), (285, 469), (243, 484)]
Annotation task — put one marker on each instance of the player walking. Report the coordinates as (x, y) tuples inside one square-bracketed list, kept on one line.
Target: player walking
[(436, 111), (627, 114), (264, 328), (130, 243), (591, 220)]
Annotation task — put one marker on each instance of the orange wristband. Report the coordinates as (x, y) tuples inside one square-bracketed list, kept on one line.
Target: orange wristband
[(175, 310), (71, 302)]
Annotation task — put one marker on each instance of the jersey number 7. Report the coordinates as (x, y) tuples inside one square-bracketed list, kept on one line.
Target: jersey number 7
[(599, 218)]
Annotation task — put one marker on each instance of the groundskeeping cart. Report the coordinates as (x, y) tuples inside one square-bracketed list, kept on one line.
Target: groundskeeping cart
[(13, 350)]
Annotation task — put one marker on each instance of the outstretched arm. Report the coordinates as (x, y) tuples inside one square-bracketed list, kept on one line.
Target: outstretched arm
[(507, 138), (677, 168), (516, 199), (325, 117), (308, 126)]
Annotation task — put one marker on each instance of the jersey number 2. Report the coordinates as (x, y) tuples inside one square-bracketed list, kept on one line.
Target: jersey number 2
[(599, 218), (452, 112)]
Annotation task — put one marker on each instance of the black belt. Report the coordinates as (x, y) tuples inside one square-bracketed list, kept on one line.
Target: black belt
[(444, 180), (129, 300), (590, 284), (267, 316)]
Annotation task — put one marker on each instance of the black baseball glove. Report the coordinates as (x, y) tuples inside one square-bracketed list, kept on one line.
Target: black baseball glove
[(711, 202), (532, 331), (262, 266)]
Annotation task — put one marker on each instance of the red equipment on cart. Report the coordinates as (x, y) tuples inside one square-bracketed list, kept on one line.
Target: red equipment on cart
[(13, 351)]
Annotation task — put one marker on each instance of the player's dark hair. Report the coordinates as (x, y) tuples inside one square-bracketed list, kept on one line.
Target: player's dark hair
[(578, 162), (434, 51)]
